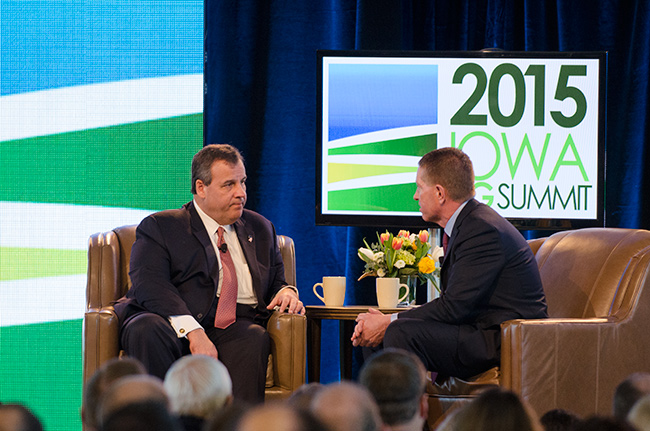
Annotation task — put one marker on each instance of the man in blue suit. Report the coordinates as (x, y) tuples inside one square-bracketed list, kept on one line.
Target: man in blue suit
[(206, 278), (489, 275)]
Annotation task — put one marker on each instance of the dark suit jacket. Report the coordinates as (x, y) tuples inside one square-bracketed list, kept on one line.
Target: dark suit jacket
[(174, 269), (488, 276)]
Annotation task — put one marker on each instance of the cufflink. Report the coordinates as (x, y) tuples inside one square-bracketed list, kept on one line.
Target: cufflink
[(182, 331)]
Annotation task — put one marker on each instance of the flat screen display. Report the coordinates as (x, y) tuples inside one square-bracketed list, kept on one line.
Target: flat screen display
[(533, 125)]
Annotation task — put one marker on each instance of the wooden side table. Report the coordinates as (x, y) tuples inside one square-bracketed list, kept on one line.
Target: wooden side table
[(346, 316)]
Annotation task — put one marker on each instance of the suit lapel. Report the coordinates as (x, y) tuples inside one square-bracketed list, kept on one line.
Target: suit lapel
[(247, 241), (469, 207), (200, 232)]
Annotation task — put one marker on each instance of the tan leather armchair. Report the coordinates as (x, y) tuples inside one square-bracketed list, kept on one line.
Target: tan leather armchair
[(597, 284), (108, 280)]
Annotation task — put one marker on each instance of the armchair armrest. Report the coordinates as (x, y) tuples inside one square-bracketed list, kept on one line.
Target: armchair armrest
[(100, 333), (548, 361), (288, 333)]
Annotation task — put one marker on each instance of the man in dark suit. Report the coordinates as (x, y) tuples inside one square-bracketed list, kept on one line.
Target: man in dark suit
[(489, 275), (206, 278)]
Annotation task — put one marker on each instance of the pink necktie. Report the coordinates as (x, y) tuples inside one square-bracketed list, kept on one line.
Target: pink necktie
[(227, 306)]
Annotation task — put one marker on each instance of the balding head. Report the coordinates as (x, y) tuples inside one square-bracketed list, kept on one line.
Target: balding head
[(279, 417), (346, 406), (131, 390), (100, 381)]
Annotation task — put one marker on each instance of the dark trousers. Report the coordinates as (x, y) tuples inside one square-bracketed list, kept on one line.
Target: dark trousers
[(437, 345), (243, 348)]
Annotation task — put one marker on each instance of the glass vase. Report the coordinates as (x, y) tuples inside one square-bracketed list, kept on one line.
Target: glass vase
[(412, 281)]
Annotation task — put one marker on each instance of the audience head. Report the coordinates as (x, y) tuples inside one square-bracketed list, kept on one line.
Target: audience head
[(639, 415), (628, 392), (141, 416), (397, 381), (601, 423), (131, 390), (559, 420), (279, 417), (302, 397), (346, 406), (99, 382), (227, 419), (496, 410), (16, 417), (197, 385)]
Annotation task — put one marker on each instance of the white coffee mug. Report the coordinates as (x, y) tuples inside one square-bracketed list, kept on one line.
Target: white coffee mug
[(388, 292), (333, 291)]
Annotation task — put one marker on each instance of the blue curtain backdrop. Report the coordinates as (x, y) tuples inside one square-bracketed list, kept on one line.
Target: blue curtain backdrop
[(260, 95)]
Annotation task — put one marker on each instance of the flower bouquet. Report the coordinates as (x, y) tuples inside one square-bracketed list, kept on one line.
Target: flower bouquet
[(401, 255)]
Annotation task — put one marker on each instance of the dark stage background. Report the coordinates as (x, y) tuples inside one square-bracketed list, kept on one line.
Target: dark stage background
[(260, 95)]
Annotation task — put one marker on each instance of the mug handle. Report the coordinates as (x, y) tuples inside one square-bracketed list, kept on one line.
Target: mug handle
[(316, 293), (406, 294)]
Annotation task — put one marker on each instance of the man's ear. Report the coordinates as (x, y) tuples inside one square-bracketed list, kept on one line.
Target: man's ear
[(200, 188), (424, 406), (441, 193)]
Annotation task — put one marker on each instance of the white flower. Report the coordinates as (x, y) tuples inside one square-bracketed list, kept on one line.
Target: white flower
[(381, 272), (437, 253), (367, 253), (379, 256), (400, 264), (413, 237)]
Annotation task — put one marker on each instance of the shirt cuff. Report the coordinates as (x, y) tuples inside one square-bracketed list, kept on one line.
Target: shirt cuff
[(184, 324), (288, 286), (393, 317)]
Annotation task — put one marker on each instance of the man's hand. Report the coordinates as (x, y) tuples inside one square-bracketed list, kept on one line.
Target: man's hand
[(200, 344), (287, 299), (370, 328)]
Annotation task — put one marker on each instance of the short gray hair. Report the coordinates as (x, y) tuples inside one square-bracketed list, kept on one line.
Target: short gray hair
[(197, 385), (203, 160)]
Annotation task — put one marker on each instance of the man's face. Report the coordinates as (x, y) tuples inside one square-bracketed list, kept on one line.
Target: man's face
[(224, 198), (427, 196)]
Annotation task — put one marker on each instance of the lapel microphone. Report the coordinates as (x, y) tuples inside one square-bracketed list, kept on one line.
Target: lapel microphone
[(223, 247)]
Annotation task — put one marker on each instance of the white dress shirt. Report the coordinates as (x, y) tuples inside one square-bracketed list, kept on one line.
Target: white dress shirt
[(245, 293)]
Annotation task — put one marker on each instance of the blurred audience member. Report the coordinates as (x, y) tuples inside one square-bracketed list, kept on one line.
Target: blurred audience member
[(279, 417), (628, 392), (16, 417), (346, 406), (639, 416), (227, 419), (559, 420), (602, 423), (131, 390), (99, 382), (141, 416), (496, 410), (197, 387), (397, 381), (303, 396)]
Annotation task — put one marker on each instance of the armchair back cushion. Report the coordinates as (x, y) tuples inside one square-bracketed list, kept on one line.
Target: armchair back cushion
[(587, 272)]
